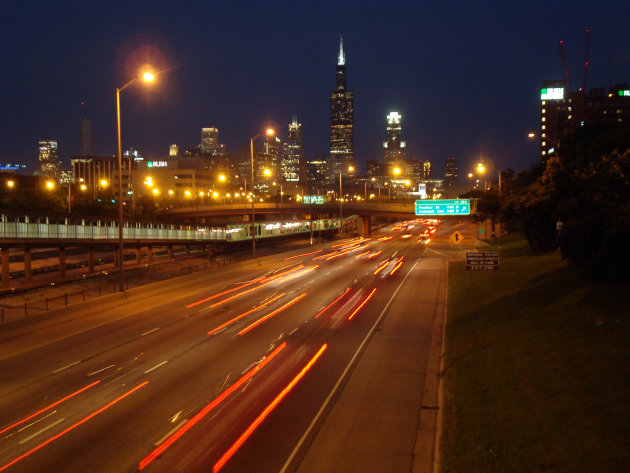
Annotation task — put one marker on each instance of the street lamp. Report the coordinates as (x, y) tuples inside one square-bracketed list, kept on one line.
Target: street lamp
[(146, 77), (350, 169), (268, 132)]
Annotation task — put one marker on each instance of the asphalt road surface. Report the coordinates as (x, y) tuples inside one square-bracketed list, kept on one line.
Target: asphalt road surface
[(233, 370)]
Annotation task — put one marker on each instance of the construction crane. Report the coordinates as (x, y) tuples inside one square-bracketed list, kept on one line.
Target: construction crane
[(564, 63), (584, 81)]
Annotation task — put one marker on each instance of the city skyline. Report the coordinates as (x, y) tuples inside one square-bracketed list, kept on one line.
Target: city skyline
[(466, 78)]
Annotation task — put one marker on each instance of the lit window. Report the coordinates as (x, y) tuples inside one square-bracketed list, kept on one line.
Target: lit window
[(570, 117), (544, 110), (544, 152), (544, 144), (544, 135), (544, 127), (569, 109), (544, 102), (544, 119)]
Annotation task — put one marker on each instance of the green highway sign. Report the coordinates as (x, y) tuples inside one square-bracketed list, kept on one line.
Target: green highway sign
[(443, 207), (314, 199)]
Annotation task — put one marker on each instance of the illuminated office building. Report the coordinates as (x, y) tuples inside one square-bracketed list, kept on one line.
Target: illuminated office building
[(394, 148), (293, 152), (209, 140), (341, 122), (450, 172), (563, 111), (49, 159)]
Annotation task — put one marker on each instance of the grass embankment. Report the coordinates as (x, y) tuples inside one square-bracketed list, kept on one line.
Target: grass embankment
[(537, 369)]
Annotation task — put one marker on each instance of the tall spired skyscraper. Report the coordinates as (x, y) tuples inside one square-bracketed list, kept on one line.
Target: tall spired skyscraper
[(341, 122)]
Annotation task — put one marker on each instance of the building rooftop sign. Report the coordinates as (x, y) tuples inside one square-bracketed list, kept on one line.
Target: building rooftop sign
[(552, 93)]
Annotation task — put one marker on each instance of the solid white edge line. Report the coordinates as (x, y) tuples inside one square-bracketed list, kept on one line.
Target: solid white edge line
[(150, 331), (31, 437), (343, 375), (156, 367)]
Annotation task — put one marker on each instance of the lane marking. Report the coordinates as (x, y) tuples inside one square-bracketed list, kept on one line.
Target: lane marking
[(102, 369), (197, 417), (39, 432), (49, 407), (73, 426), (150, 331), (344, 374), (59, 370), (156, 367), (170, 432)]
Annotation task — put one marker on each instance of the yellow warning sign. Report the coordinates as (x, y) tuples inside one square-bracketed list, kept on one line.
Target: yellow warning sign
[(456, 238)]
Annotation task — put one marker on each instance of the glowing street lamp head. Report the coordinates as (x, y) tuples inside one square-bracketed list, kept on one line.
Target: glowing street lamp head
[(396, 171), (10, 183), (222, 177), (267, 172), (50, 184), (156, 191), (270, 132), (103, 182), (481, 168), (350, 168), (531, 135), (148, 76)]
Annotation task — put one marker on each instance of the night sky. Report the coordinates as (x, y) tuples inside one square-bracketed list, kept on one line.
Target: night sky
[(464, 75)]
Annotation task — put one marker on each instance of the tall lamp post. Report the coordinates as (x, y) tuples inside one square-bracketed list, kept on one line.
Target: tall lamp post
[(350, 169), (146, 77), (268, 132)]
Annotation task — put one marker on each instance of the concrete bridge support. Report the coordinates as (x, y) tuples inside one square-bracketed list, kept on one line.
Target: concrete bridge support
[(28, 273), (91, 259), (365, 226), (5, 267), (62, 261)]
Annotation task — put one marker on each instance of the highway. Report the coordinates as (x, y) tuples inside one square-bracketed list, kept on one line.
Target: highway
[(226, 371)]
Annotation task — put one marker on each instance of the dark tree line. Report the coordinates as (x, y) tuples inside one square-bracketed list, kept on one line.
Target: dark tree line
[(578, 201)]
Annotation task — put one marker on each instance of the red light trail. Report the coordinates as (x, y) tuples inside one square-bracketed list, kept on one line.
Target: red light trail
[(201, 414), (362, 304), (271, 314), (49, 407), (261, 417), (332, 303), (244, 314), (73, 426)]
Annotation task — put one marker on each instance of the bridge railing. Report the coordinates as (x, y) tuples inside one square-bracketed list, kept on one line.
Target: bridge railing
[(20, 227)]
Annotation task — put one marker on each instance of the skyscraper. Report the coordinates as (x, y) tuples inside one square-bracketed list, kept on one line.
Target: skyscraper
[(394, 148), (293, 153), (49, 159), (341, 121), (450, 172), (209, 140), (86, 138)]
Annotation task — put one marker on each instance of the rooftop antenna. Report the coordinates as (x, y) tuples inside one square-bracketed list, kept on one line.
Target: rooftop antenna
[(584, 82)]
